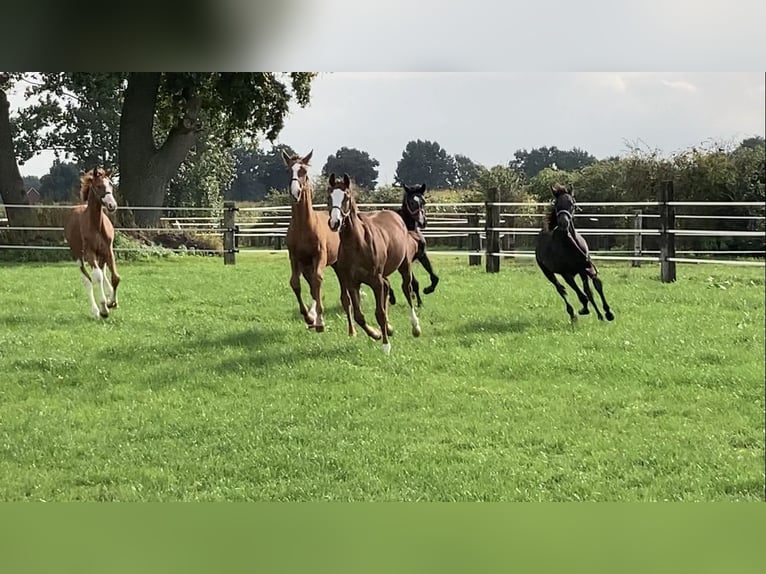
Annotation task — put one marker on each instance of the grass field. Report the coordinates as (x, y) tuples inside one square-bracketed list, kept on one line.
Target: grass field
[(205, 385)]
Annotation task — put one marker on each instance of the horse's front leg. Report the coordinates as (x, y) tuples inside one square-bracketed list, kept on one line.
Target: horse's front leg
[(589, 295), (607, 310), (98, 281), (295, 284), (353, 291), (315, 284), (379, 290), (345, 300), (114, 281), (88, 284), (570, 279), (426, 263)]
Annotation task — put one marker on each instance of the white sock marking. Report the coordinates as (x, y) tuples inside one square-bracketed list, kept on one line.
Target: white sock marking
[(312, 314), (387, 348)]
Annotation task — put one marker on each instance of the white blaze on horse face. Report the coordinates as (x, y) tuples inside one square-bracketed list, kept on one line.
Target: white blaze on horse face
[(295, 183), (336, 202), (108, 200)]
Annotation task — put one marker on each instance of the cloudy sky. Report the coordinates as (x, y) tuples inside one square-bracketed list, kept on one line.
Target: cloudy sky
[(488, 116)]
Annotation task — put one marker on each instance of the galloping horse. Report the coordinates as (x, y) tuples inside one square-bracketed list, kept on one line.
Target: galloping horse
[(413, 214), (560, 249), (90, 235), (310, 243), (372, 246)]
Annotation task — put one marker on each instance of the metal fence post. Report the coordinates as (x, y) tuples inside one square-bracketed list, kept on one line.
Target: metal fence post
[(492, 262), (638, 223), (667, 239), (229, 232)]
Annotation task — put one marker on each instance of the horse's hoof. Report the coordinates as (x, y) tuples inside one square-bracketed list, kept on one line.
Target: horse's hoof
[(387, 348), (389, 330), (319, 328), (416, 331), (609, 316), (584, 311), (374, 334), (104, 314), (432, 287)]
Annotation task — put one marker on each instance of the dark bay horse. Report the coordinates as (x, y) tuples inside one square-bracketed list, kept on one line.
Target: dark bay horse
[(90, 235), (413, 214), (560, 249), (372, 246), (310, 243)]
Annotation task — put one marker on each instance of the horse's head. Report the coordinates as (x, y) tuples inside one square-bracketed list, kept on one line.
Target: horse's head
[(338, 200), (299, 172), (415, 203), (98, 183), (564, 206)]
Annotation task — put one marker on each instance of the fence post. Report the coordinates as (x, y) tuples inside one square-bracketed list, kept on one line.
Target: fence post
[(474, 239), (638, 223), (229, 232), (667, 239), (492, 222)]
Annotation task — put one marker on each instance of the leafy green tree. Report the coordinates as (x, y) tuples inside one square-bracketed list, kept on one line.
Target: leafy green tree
[(357, 164), (466, 172), (160, 118), (530, 163), (61, 183), (258, 172), (426, 162)]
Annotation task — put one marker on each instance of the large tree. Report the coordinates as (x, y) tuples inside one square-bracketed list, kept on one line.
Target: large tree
[(11, 184), (530, 163), (61, 183), (258, 172), (426, 162), (362, 168), (161, 118), (467, 172)]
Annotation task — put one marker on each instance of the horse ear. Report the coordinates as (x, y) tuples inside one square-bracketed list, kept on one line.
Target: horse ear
[(307, 158), (332, 180), (346, 180), (554, 191), (108, 172), (286, 158), (422, 188)]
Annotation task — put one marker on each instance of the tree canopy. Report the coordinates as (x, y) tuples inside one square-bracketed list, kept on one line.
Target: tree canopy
[(362, 168), (426, 162)]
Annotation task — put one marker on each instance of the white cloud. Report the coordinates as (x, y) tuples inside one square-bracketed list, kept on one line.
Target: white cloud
[(680, 85)]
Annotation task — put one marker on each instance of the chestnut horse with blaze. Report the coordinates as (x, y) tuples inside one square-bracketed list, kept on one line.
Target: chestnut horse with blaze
[(310, 243), (372, 246), (90, 235)]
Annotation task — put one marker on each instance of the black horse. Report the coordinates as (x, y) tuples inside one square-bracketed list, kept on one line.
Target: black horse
[(413, 214), (560, 249)]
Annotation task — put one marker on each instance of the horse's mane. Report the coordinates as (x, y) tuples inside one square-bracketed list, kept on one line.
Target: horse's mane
[(85, 180), (549, 221)]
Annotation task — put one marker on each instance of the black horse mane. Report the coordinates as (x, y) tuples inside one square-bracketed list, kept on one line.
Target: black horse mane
[(549, 221)]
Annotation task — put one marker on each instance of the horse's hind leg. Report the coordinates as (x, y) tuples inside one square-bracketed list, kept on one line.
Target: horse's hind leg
[(391, 296), (600, 288), (114, 281), (560, 288), (407, 280), (584, 299), (345, 300), (589, 293)]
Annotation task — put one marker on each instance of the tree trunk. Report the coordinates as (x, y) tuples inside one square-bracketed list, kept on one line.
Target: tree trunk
[(145, 171), (11, 184)]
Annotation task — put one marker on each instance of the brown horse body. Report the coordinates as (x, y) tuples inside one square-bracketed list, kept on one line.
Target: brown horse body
[(310, 243), (90, 235), (372, 246)]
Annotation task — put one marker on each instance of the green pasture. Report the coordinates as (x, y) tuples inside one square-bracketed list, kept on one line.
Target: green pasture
[(205, 385)]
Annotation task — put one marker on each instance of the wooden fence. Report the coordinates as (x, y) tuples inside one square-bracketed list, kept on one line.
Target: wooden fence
[(638, 232)]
